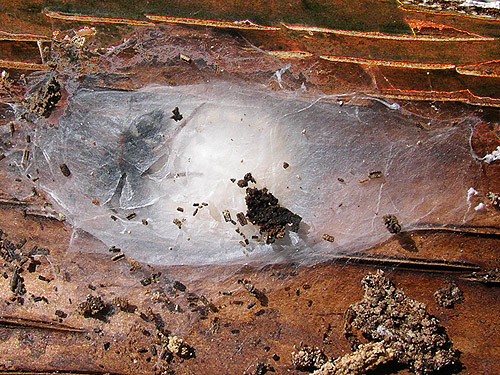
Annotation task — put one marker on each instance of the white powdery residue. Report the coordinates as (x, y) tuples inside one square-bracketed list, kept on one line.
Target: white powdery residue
[(480, 206), (470, 193), (495, 155)]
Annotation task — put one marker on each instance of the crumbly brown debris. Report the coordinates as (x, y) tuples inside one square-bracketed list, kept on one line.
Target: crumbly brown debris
[(246, 179), (92, 307), (403, 324), (308, 358), (227, 217), (179, 347), (123, 304), (449, 296), (366, 357), (265, 211), (178, 223), (241, 219)]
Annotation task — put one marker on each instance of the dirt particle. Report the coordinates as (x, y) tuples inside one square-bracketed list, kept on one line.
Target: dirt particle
[(375, 174), (178, 223), (185, 58), (134, 265), (17, 282), (179, 286), (328, 237), (131, 215), (392, 224), (65, 170), (246, 179), (61, 314), (123, 304), (26, 155), (285, 165), (176, 115), (241, 219), (449, 296), (227, 217), (258, 294), (114, 249), (263, 368), (494, 199), (242, 183), (118, 257), (92, 307), (179, 347)]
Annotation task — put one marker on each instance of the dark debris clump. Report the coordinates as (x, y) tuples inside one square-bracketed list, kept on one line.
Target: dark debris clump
[(245, 180), (123, 304), (403, 324), (44, 100), (392, 224), (265, 211), (93, 307), (263, 368), (17, 282), (176, 115)]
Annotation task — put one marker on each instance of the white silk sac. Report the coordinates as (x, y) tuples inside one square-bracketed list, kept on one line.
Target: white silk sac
[(157, 186)]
